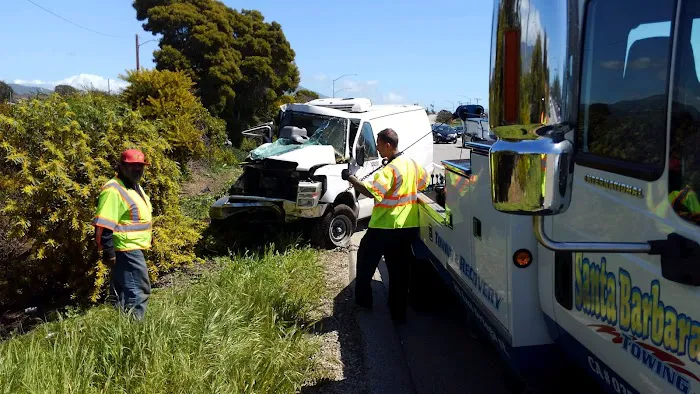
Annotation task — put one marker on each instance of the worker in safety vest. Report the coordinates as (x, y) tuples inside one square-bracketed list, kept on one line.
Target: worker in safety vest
[(123, 230), (393, 226)]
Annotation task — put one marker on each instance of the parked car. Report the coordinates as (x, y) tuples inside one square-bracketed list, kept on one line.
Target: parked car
[(444, 133), (459, 130)]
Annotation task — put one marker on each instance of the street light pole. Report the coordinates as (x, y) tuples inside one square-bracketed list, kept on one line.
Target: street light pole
[(334, 92), (137, 50)]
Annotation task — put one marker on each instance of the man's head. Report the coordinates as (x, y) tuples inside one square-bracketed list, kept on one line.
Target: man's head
[(132, 164), (387, 142)]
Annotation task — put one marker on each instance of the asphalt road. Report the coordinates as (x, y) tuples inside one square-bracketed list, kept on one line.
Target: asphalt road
[(435, 351)]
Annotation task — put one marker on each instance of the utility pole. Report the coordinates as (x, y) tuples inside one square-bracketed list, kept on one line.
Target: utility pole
[(477, 100), (137, 52), (108, 89), (138, 45)]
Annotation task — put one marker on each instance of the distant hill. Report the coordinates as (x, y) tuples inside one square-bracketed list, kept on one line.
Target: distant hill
[(24, 90)]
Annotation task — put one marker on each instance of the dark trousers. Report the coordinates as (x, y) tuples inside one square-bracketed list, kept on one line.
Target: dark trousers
[(130, 286), (396, 247)]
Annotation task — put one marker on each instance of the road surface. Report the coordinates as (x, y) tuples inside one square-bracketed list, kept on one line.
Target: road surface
[(435, 351)]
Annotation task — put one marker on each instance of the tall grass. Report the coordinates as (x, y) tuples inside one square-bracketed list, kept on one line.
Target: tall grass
[(237, 331)]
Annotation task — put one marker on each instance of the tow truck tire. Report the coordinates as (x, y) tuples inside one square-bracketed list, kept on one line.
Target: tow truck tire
[(335, 228)]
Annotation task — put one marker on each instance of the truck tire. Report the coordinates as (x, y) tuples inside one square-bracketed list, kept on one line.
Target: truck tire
[(335, 228)]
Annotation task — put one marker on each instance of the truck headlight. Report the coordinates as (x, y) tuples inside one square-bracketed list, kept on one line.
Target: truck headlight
[(308, 194)]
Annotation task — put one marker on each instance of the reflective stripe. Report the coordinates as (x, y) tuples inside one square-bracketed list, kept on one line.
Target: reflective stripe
[(422, 182), (381, 189), (405, 200), (398, 178), (124, 228), (104, 222), (134, 209)]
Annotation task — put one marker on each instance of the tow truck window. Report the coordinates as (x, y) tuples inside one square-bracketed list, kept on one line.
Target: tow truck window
[(684, 149), (624, 74), (367, 140)]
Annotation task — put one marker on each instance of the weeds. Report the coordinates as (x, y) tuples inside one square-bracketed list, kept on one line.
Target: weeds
[(241, 330)]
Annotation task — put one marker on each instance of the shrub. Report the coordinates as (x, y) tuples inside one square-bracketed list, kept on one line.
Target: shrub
[(56, 156), (167, 97)]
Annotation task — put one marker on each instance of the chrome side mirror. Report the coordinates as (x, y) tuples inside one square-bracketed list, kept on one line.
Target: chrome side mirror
[(531, 177)]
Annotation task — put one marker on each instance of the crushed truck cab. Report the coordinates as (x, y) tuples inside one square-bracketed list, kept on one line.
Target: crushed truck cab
[(298, 177)]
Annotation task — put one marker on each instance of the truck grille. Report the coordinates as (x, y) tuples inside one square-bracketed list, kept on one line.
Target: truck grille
[(269, 178)]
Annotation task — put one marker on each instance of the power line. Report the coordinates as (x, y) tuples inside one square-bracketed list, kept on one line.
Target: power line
[(73, 23)]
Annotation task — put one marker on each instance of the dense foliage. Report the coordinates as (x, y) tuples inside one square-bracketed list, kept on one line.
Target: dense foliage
[(166, 98), (56, 155), (241, 65)]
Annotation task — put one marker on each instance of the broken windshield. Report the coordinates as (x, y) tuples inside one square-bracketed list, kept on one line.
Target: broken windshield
[(321, 130)]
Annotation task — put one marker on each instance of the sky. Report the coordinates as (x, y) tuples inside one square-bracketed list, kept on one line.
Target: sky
[(402, 52)]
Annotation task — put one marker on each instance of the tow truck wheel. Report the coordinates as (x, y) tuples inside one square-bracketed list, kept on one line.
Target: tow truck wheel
[(335, 228)]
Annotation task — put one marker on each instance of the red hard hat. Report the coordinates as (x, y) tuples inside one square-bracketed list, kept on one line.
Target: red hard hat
[(133, 156)]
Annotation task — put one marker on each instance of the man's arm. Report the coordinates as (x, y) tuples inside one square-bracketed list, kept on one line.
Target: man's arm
[(105, 221), (359, 186)]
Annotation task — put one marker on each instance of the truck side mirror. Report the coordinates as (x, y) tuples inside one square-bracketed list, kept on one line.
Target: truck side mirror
[(531, 177), (360, 155)]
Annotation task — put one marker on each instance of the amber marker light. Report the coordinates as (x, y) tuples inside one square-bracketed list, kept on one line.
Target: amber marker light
[(522, 258)]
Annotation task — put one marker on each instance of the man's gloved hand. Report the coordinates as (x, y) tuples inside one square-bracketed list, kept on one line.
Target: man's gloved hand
[(345, 174)]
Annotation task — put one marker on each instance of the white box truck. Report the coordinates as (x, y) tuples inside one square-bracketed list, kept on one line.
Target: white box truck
[(298, 177)]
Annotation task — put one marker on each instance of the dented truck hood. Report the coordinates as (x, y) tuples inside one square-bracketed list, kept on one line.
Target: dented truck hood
[(308, 156)]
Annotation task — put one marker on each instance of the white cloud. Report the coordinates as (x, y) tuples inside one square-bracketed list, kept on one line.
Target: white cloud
[(92, 81), (32, 82), (80, 81), (392, 97), (321, 77), (372, 82)]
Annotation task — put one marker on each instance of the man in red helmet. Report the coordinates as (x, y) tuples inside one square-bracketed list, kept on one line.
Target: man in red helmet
[(123, 230)]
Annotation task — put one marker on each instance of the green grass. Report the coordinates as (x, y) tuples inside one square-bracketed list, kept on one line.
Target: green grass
[(197, 207), (240, 330)]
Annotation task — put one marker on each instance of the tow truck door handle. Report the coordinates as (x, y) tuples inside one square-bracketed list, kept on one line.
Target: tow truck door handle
[(680, 259)]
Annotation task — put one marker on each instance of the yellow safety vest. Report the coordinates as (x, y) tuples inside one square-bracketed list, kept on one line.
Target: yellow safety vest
[(127, 214), (395, 189)]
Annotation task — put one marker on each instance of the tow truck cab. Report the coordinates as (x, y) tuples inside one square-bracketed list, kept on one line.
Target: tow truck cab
[(596, 106)]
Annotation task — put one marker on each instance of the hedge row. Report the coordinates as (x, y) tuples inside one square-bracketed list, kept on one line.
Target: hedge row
[(55, 155)]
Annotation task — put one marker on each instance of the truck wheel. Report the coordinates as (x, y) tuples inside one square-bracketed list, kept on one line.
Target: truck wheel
[(334, 228)]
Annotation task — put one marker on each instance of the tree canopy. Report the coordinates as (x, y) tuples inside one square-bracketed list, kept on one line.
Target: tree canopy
[(5, 91), (443, 116), (65, 90), (241, 65)]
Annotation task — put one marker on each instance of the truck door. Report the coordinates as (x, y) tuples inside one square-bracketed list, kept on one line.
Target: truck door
[(366, 138), (636, 174)]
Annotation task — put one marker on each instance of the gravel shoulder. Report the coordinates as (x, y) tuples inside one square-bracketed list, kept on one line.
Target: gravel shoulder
[(340, 367)]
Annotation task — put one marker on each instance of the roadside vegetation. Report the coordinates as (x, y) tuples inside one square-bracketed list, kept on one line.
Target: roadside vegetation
[(239, 329), (225, 315)]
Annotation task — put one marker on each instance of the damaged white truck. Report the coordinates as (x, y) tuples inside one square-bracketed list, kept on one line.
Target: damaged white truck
[(297, 177)]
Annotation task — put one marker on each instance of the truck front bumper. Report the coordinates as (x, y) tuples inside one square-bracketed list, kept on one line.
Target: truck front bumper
[(262, 209)]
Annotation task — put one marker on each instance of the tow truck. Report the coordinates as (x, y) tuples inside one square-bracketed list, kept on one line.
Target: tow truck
[(574, 236)]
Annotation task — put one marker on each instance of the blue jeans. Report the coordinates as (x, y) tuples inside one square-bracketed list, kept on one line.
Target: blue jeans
[(130, 286)]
